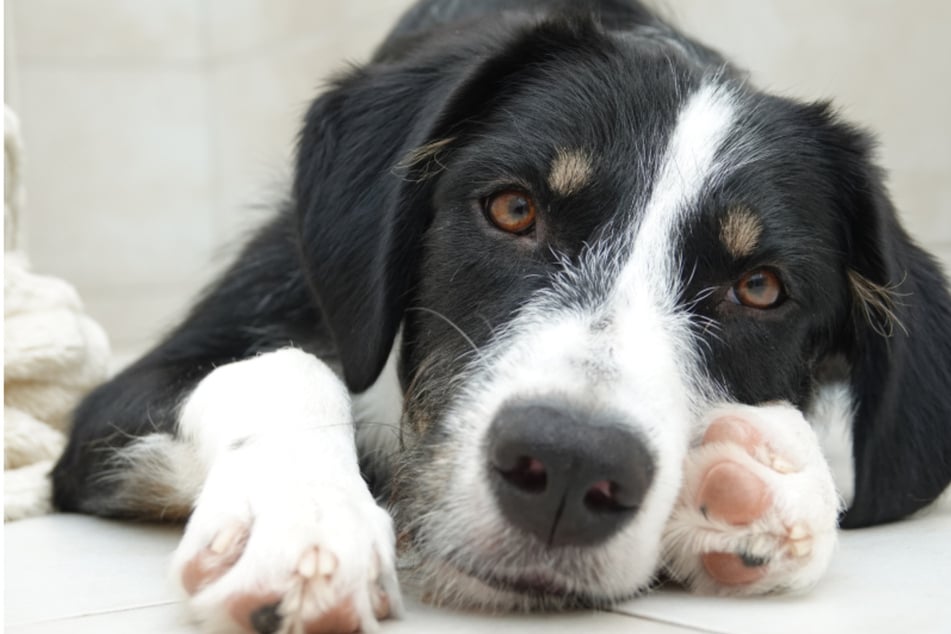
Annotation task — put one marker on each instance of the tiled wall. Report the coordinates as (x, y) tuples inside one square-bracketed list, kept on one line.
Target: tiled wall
[(157, 131), (154, 128)]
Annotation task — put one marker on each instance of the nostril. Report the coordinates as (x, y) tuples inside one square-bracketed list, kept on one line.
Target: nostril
[(567, 477), (603, 497), (528, 474)]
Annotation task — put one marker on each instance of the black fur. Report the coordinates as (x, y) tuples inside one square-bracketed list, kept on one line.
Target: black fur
[(376, 236)]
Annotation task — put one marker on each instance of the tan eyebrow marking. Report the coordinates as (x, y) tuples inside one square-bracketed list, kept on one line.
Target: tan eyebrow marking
[(740, 231), (570, 171)]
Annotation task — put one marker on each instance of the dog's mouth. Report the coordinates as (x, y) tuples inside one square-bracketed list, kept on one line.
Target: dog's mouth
[(540, 590), (536, 584), (527, 590)]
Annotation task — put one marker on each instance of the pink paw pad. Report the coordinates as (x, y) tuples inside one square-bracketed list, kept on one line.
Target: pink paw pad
[(737, 431), (757, 510), (730, 569), (734, 494)]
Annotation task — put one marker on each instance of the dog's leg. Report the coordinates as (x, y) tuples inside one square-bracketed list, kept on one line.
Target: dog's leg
[(285, 536), (758, 507)]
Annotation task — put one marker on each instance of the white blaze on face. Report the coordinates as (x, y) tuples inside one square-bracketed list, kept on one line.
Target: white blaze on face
[(649, 284), (687, 168), (630, 352)]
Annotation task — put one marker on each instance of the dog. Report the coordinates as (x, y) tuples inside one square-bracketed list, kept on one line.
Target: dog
[(573, 299)]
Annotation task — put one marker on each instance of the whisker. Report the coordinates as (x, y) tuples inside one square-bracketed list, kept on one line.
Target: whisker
[(459, 330)]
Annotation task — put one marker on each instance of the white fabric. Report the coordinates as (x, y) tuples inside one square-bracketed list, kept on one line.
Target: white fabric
[(53, 354)]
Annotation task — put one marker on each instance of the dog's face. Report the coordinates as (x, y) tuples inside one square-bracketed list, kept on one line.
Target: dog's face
[(597, 236), (611, 249)]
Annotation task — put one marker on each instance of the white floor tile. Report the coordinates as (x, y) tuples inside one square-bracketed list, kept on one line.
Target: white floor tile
[(424, 619), (63, 566), (77, 574), (162, 619), (68, 573)]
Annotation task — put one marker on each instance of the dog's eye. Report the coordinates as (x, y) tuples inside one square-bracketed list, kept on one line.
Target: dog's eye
[(760, 289), (511, 211)]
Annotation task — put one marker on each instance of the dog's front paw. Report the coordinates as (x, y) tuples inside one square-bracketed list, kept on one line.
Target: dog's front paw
[(757, 511), (308, 558)]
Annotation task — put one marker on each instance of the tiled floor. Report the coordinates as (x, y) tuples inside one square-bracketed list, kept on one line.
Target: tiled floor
[(81, 575)]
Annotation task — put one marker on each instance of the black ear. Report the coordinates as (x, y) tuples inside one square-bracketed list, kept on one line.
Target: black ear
[(363, 181), (900, 353), (359, 222)]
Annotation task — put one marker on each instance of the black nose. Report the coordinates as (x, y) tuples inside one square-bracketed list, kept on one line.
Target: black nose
[(568, 477)]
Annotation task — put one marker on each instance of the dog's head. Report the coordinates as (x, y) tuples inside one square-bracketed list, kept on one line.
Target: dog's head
[(587, 237)]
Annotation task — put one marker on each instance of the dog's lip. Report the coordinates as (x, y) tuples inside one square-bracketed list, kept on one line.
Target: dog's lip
[(543, 588), (536, 583), (531, 584)]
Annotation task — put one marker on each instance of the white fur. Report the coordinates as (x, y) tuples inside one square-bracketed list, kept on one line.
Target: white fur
[(629, 352), (275, 435), (802, 496), (831, 413), (689, 165), (377, 413)]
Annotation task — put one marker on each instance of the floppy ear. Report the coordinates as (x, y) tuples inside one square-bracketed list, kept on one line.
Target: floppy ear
[(359, 223), (363, 185), (900, 352)]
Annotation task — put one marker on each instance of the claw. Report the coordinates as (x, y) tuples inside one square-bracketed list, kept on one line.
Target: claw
[(374, 571), (309, 564), (797, 532), (781, 465), (228, 538), (326, 563), (800, 548)]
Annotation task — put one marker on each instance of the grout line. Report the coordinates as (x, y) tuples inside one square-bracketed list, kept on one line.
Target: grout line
[(205, 59), (664, 621), (83, 615), (210, 133)]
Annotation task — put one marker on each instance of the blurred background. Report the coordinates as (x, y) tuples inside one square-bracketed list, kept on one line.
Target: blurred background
[(158, 131)]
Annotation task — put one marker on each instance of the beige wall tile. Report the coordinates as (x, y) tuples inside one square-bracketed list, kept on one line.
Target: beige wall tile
[(259, 100), (114, 31), (943, 253), (237, 27), (117, 175), (923, 199), (11, 86), (136, 317), (258, 104), (877, 60)]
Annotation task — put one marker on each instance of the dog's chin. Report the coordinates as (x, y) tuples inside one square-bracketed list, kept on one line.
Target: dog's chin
[(445, 584)]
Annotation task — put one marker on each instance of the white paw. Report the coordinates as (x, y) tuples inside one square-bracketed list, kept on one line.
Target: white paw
[(758, 508), (268, 553)]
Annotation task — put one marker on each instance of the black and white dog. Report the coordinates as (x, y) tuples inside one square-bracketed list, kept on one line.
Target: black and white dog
[(558, 287)]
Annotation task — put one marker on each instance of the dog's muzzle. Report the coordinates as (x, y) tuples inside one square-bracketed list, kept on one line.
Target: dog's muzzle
[(566, 476)]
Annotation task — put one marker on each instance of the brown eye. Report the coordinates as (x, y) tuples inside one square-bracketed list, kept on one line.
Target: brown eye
[(511, 211), (760, 289)]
